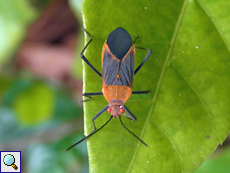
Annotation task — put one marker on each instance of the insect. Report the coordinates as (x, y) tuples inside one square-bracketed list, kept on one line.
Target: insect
[(117, 76)]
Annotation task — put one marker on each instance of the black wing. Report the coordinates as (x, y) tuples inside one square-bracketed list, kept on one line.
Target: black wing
[(119, 42)]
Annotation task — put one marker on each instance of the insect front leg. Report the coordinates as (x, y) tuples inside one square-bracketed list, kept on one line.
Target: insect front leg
[(132, 117), (96, 116)]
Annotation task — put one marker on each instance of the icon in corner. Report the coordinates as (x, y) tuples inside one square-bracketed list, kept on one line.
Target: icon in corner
[(9, 160)]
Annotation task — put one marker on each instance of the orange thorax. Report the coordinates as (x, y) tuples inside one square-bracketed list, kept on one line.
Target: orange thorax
[(116, 92)]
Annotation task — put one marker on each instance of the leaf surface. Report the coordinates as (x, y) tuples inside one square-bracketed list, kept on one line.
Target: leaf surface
[(186, 115)]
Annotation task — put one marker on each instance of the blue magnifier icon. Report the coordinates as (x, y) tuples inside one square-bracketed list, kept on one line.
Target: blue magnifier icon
[(9, 160)]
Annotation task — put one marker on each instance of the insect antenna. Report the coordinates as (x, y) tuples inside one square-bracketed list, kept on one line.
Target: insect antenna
[(90, 134), (132, 132)]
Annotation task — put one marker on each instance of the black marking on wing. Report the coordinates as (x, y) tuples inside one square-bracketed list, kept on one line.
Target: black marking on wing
[(119, 42)]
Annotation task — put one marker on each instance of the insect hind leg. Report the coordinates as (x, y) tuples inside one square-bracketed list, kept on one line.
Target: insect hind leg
[(85, 59), (135, 39), (140, 92), (144, 60)]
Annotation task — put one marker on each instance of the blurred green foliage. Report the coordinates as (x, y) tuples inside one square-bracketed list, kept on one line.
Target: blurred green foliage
[(217, 163), (37, 117), (15, 16), (32, 101)]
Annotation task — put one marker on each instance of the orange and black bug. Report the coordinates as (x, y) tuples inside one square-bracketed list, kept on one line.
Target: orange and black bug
[(117, 75)]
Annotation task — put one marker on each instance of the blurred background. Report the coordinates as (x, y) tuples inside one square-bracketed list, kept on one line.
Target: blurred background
[(41, 84)]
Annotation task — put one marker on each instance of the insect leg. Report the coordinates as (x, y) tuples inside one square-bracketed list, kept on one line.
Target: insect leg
[(88, 96), (144, 60), (89, 134), (128, 116), (130, 113), (140, 92), (84, 58), (92, 94), (132, 132), (135, 39), (98, 114)]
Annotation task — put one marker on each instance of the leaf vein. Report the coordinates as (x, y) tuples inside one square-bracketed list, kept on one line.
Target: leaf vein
[(173, 144), (214, 23), (159, 82), (199, 97)]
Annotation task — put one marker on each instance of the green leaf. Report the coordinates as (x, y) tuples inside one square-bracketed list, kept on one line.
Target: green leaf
[(218, 163), (219, 13), (186, 115)]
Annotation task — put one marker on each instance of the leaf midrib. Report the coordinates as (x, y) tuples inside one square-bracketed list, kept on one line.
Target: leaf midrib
[(157, 89)]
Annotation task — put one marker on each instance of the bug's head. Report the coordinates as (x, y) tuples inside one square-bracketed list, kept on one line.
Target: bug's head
[(116, 108)]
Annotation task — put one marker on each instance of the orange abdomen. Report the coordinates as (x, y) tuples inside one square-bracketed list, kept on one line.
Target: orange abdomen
[(116, 92)]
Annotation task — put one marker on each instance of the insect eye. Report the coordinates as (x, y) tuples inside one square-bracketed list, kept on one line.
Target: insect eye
[(122, 110), (109, 110)]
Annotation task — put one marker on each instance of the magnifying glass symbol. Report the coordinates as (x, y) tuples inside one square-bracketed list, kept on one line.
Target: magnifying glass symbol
[(9, 160)]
